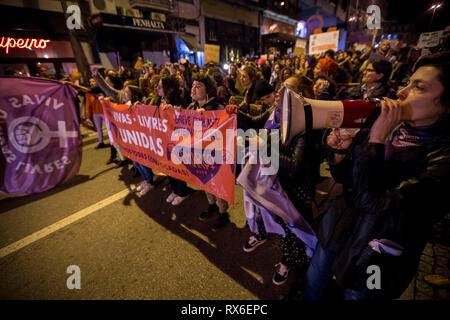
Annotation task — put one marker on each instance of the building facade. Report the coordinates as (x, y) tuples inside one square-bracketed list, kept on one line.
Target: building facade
[(39, 20)]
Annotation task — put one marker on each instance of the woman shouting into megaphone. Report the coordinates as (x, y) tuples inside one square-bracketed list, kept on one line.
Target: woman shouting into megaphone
[(395, 177)]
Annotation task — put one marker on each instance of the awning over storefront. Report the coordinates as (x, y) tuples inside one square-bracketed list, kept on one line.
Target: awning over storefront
[(191, 43)]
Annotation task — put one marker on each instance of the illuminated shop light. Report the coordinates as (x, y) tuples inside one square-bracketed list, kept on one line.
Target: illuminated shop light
[(8, 42), (301, 30)]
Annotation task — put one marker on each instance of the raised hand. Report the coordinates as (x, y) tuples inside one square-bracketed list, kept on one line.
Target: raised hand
[(231, 108), (389, 119), (339, 139)]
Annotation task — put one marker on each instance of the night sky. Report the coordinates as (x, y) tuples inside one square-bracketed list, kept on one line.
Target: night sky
[(412, 11)]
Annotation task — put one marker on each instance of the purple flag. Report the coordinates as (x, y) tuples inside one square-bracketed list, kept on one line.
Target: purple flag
[(40, 136), (264, 195)]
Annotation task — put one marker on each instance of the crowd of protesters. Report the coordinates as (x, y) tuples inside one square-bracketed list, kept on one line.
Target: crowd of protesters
[(393, 174)]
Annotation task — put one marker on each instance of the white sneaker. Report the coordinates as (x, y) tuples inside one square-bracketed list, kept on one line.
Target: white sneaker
[(146, 187), (281, 275), (253, 243), (139, 186), (178, 200), (171, 197)]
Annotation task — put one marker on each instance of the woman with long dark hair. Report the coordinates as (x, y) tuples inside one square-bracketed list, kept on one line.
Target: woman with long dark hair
[(170, 92)]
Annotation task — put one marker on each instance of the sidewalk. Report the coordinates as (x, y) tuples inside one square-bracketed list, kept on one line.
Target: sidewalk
[(433, 261)]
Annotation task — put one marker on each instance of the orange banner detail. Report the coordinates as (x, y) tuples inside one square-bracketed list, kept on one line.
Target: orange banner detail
[(197, 148), (324, 47)]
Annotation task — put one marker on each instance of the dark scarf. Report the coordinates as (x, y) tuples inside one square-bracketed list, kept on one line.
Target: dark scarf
[(405, 137)]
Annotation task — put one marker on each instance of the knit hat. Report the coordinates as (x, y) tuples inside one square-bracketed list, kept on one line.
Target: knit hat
[(263, 88), (328, 65)]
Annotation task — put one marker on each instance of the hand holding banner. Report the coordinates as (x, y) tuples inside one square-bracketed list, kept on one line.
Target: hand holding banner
[(198, 148)]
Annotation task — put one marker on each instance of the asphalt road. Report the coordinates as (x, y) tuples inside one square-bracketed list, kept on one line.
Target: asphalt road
[(127, 247)]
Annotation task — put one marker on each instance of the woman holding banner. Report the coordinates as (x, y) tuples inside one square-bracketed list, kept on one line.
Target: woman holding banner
[(118, 96), (170, 92), (204, 96), (131, 96), (396, 177)]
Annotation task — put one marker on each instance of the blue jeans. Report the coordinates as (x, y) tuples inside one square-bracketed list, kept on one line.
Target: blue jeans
[(320, 273), (146, 173)]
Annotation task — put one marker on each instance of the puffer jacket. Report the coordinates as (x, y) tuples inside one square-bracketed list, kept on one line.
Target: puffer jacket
[(398, 200)]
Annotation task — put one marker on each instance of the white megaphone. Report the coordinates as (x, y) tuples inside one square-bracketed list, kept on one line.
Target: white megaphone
[(325, 114)]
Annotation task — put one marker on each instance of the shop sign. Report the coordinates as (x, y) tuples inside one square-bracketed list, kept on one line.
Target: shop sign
[(146, 23), (158, 16), (8, 42)]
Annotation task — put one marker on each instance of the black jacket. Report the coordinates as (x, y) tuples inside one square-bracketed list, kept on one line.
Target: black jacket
[(211, 104), (250, 95), (399, 200), (299, 171), (247, 121), (357, 92)]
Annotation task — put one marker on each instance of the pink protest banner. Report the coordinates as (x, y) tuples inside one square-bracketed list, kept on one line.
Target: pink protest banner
[(184, 144), (40, 136)]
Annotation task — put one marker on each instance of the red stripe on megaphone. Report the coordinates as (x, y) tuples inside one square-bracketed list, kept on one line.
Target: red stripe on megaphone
[(356, 112)]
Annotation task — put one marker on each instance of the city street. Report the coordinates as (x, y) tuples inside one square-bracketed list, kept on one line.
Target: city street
[(127, 247), (353, 167)]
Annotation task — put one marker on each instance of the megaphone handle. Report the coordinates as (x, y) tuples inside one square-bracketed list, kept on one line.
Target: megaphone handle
[(309, 139), (357, 139), (372, 117), (367, 124)]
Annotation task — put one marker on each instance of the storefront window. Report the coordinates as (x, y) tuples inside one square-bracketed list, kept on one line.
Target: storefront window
[(14, 69), (49, 67), (68, 67)]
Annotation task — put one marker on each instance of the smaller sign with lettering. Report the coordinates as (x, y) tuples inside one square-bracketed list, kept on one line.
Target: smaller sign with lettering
[(322, 42), (212, 53), (300, 47), (429, 39)]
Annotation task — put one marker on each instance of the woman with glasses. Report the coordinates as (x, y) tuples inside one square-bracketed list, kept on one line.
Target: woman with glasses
[(374, 83)]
